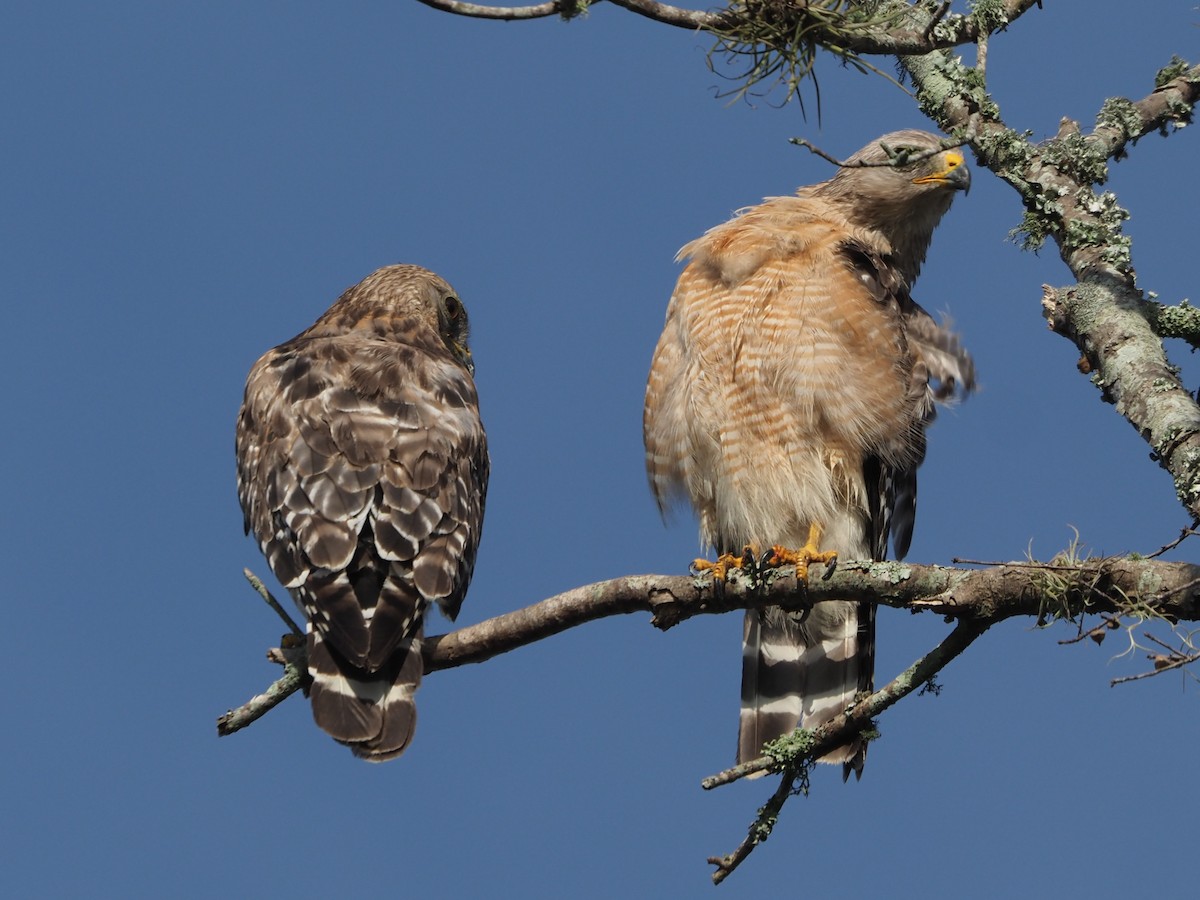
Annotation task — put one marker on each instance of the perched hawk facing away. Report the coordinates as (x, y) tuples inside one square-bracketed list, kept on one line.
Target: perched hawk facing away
[(362, 471), (788, 401)]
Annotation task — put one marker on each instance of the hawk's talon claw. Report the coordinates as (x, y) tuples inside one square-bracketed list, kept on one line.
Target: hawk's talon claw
[(830, 568)]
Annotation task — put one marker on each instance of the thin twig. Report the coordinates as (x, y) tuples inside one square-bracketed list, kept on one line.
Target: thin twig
[(858, 716), (937, 17), (1033, 565), (1162, 643), (256, 583), (1096, 633), (759, 831), (1176, 663), (749, 767), (258, 706), (1184, 534), (1176, 658), (834, 733), (1179, 589), (868, 164)]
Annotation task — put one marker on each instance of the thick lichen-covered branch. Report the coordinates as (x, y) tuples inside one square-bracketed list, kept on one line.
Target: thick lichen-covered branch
[(1180, 321), (1104, 314), (1125, 359), (1169, 106)]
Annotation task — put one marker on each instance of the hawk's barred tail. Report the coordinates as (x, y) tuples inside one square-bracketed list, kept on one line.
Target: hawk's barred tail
[(865, 653), (372, 713), (770, 675), (803, 672)]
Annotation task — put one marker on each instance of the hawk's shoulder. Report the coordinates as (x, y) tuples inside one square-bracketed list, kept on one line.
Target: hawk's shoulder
[(804, 228)]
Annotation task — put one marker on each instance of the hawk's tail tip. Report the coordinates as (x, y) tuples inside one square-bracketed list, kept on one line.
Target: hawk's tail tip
[(372, 713)]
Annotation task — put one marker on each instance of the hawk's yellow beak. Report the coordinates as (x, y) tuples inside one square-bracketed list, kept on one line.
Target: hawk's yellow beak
[(953, 172)]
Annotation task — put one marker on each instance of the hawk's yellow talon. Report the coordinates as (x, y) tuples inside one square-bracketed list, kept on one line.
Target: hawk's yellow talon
[(720, 566), (804, 557)]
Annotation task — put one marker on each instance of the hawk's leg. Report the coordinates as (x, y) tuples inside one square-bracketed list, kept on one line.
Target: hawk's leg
[(805, 556)]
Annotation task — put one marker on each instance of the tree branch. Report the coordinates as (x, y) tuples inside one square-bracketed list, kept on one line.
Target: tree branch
[(1173, 659), (508, 13), (269, 599), (1181, 321), (1171, 103), (761, 828), (801, 748), (569, 9), (1067, 587), (295, 663), (1104, 313), (672, 15), (940, 32), (792, 754), (1137, 587), (1126, 360)]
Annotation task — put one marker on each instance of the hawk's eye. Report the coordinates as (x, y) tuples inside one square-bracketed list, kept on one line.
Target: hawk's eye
[(453, 308)]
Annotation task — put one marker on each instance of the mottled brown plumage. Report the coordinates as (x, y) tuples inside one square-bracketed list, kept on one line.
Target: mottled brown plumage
[(791, 387), (362, 472)]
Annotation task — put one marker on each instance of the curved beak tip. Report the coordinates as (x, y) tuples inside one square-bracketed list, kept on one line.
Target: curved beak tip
[(960, 179)]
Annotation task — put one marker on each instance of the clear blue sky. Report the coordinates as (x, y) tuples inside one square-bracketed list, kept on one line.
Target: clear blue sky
[(187, 185)]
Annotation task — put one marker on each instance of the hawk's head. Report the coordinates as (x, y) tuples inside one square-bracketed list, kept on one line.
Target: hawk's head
[(906, 168), (899, 186), (400, 293)]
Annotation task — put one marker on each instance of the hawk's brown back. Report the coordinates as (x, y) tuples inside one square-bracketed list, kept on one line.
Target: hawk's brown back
[(362, 472)]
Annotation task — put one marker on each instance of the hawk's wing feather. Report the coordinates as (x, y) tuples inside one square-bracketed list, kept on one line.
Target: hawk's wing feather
[(942, 372), (397, 470), (950, 368)]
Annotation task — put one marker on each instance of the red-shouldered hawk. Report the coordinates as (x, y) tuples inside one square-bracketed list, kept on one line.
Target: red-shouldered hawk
[(362, 471), (788, 401)]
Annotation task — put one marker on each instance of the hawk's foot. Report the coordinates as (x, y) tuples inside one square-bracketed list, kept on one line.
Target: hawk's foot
[(805, 556), (722, 564)]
